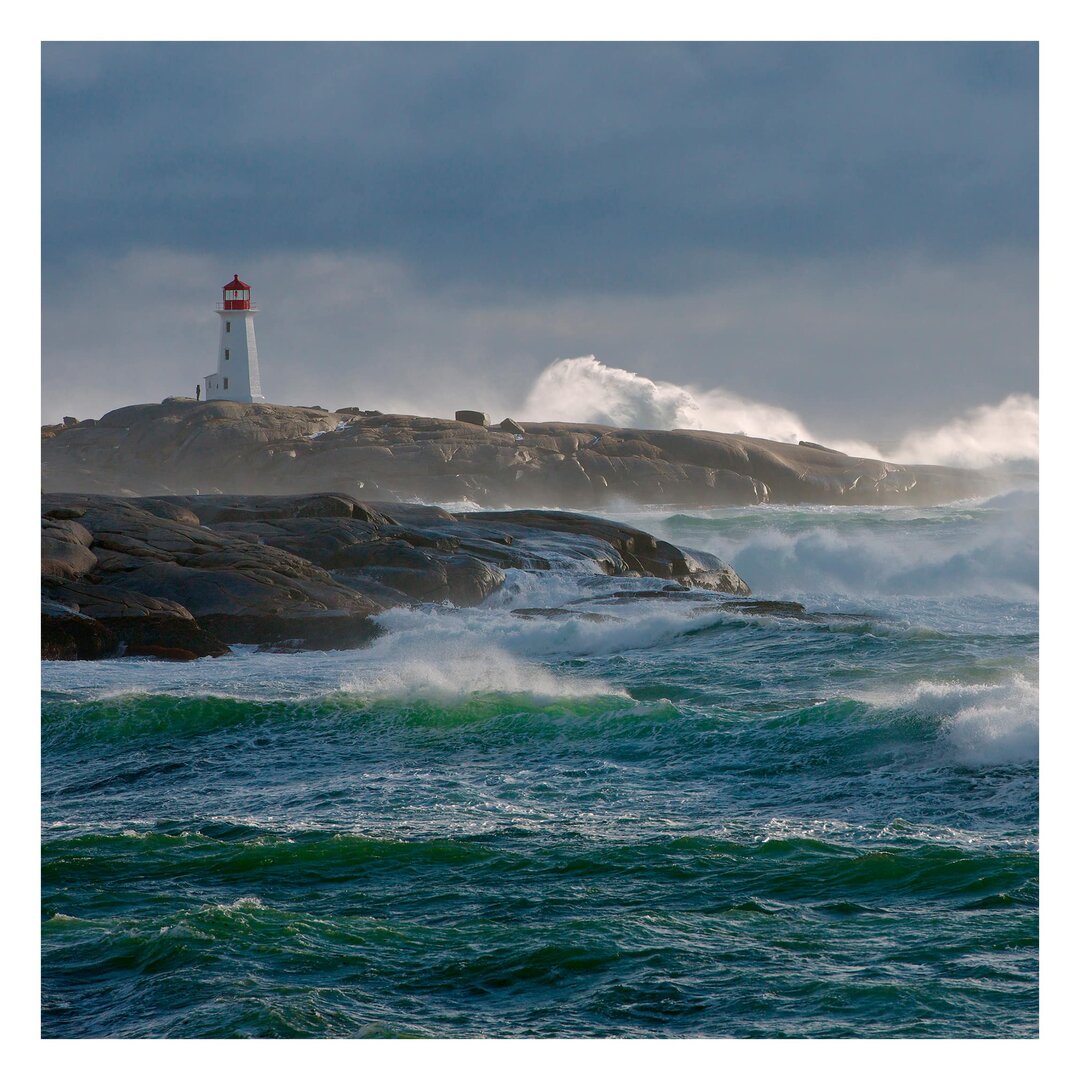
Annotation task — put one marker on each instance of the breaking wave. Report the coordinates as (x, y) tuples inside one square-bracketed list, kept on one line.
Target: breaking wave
[(986, 724), (585, 390), (445, 666)]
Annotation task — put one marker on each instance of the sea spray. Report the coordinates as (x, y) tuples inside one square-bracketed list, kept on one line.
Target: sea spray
[(967, 549), (584, 389), (458, 663), (450, 636), (982, 436)]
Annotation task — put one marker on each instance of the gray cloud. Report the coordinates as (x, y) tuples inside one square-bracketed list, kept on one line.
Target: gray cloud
[(551, 167)]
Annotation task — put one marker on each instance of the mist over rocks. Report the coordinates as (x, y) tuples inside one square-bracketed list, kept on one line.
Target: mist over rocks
[(179, 577), (185, 447)]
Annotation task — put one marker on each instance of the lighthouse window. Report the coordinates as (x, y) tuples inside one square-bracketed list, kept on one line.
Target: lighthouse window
[(226, 382), (226, 354), (228, 326)]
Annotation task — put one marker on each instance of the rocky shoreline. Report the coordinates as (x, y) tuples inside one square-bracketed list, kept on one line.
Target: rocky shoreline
[(182, 447), (196, 527), (180, 577)]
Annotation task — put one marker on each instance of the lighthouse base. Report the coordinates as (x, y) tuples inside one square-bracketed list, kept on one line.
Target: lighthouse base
[(217, 387)]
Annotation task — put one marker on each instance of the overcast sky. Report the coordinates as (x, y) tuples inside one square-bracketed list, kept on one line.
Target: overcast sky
[(848, 231)]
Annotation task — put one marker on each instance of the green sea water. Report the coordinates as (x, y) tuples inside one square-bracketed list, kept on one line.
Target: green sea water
[(677, 821)]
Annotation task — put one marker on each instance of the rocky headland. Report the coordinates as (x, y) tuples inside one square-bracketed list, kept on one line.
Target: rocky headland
[(179, 577), (194, 527), (182, 447)]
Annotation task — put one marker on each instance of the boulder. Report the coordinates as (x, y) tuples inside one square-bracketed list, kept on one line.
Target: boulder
[(65, 548), (129, 617), (818, 446), (67, 634), (468, 416)]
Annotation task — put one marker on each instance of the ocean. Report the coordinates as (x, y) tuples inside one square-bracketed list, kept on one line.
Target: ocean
[(639, 817)]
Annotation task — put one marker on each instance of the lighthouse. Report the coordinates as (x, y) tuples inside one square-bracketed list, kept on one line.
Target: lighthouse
[(237, 375)]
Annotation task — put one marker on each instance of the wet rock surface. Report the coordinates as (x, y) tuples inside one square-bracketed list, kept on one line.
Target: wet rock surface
[(184, 576), (185, 447)]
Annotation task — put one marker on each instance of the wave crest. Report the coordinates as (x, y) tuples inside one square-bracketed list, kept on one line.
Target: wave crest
[(582, 389), (986, 724)]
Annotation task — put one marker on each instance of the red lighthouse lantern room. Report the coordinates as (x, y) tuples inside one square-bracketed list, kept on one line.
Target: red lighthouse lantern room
[(236, 296)]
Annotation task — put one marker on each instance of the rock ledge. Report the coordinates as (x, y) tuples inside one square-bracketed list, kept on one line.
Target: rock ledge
[(177, 577)]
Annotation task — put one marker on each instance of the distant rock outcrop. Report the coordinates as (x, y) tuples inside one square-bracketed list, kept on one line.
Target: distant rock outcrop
[(184, 447), (471, 416), (183, 576)]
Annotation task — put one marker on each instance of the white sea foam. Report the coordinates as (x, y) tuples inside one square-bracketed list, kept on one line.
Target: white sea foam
[(452, 654), (642, 625), (983, 723), (581, 388), (449, 652), (448, 670), (241, 903), (584, 389), (827, 560), (965, 552)]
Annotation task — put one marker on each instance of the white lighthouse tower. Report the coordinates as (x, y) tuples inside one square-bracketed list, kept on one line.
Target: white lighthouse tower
[(237, 376)]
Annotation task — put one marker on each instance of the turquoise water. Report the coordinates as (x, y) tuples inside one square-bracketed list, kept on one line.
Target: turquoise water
[(679, 821)]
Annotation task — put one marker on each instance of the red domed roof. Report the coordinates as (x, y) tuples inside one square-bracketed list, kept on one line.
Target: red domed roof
[(236, 283)]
